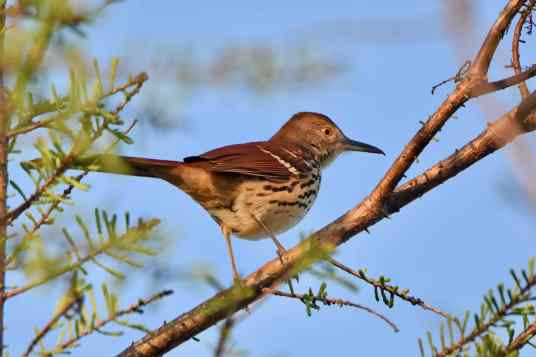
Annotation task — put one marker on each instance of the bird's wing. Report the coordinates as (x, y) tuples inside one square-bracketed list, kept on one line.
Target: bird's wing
[(262, 159)]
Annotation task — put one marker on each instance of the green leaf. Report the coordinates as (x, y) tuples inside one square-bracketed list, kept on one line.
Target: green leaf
[(121, 136), (133, 326), (85, 231), (18, 189), (109, 270), (75, 183), (322, 293), (98, 83), (113, 72), (516, 279), (98, 221), (421, 347), (431, 343)]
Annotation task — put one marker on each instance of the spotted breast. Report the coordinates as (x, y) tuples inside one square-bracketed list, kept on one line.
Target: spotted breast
[(278, 203)]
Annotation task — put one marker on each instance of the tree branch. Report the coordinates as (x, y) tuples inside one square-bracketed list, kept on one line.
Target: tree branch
[(489, 87), (225, 333), (134, 308), (50, 325), (331, 301), (378, 284), (521, 340), (137, 82), (516, 39), (479, 330)]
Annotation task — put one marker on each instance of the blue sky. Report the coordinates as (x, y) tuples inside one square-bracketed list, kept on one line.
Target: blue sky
[(448, 247)]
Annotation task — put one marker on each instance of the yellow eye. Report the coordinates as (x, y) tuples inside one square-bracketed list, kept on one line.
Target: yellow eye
[(327, 131)]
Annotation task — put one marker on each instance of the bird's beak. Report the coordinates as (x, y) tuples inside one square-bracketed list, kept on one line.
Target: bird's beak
[(353, 145)]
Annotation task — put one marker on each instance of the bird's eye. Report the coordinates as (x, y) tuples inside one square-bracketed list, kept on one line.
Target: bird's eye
[(327, 131)]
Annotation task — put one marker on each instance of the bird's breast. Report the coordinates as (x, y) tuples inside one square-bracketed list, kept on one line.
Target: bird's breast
[(277, 205)]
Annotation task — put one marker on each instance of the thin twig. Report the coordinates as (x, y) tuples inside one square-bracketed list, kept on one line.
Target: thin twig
[(66, 193), (516, 40), (521, 340), (67, 160), (50, 325), (329, 301), (46, 215), (391, 289), (456, 78), (225, 333), (489, 87), (81, 260), (520, 297), (136, 81), (134, 308)]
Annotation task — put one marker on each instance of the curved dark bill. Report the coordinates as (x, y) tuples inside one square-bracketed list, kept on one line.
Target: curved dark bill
[(353, 145)]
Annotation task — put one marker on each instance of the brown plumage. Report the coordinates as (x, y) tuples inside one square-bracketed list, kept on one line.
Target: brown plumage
[(253, 190)]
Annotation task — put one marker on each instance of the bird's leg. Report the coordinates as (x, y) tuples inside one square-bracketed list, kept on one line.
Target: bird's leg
[(227, 235), (280, 248)]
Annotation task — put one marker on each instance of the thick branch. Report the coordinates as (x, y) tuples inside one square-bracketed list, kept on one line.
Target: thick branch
[(476, 78), (521, 119)]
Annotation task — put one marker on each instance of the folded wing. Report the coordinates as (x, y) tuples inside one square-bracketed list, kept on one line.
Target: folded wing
[(261, 159)]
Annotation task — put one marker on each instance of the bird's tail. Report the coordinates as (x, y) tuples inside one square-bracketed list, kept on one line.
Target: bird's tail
[(122, 165)]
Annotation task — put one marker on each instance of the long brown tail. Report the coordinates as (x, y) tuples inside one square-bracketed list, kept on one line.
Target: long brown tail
[(128, 165), (122, 165)]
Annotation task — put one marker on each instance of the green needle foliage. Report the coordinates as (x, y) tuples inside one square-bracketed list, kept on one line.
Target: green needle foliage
[(493, 331), (58, 124)]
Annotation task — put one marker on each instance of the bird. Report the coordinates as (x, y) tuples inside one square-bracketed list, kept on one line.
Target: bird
[(253, 190)]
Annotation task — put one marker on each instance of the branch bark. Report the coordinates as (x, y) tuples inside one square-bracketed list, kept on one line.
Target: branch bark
[(521, 340), (385, 199)]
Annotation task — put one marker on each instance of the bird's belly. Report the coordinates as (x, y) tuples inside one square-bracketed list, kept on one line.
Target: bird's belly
[(279, 207)]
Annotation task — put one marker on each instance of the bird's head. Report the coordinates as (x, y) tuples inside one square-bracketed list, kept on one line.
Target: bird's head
[(320, 136)]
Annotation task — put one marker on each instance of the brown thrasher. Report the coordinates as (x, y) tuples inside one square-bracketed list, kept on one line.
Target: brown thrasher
[(253, 190)]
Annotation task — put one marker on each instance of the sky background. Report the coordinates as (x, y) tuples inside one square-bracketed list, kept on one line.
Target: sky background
[(448, 247)]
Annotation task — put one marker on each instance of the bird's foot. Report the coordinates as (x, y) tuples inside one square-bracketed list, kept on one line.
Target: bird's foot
[(280, 249), (237, 280)]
